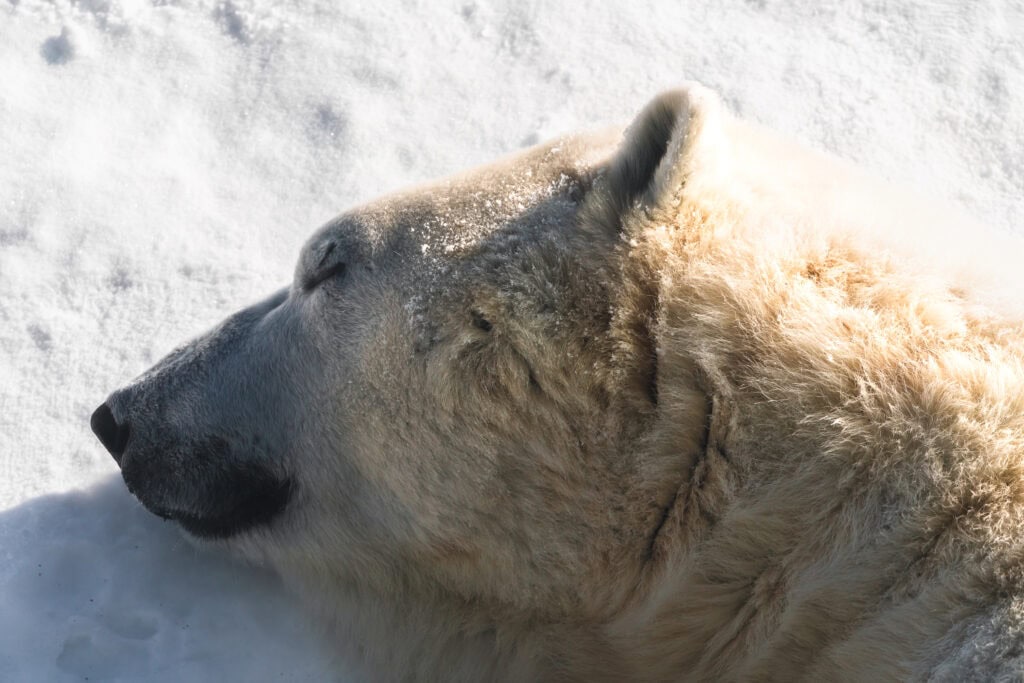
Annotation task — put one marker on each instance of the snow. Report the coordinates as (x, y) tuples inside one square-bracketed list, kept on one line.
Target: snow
[(163, 161)]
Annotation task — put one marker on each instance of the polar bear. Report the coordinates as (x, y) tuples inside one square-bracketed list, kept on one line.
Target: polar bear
[(683, 403)]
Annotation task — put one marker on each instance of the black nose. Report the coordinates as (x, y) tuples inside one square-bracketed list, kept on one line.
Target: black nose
[(112, 435)]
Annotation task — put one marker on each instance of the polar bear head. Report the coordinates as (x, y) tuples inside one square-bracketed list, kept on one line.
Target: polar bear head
[(455, 393)]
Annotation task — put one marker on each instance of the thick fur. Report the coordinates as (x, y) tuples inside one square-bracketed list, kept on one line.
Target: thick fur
[(696, 405)]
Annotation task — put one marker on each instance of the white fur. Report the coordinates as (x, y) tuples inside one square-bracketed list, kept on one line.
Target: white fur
[(701, 405)]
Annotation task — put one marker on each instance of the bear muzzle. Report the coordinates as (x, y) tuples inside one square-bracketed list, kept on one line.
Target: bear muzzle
[(206, 485)]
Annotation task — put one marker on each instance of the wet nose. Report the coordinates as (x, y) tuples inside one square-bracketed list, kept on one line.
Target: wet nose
[(113, 436)]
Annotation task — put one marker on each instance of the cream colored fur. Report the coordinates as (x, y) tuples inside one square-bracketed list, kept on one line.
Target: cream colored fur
[(840, 412), (696, 405), (857, 512)]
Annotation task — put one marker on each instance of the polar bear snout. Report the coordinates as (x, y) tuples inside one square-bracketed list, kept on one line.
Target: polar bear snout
[(202, 437), (214, 481), (112, 435)]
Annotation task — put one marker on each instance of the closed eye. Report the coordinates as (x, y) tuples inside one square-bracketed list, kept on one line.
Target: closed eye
[(335, 270)]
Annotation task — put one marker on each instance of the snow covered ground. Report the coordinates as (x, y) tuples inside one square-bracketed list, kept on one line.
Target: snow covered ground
[(161, 163)]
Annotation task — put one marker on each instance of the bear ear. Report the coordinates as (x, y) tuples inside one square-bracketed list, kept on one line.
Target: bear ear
[(649, 169)]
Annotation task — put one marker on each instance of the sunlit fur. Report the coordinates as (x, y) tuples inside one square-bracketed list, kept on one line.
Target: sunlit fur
[(690, 403)]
